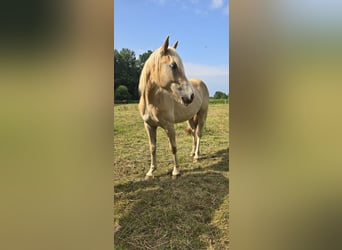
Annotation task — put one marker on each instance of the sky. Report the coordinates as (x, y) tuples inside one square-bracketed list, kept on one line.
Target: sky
[(200, 26)]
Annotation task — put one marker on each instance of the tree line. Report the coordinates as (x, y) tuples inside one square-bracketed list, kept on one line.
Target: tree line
[(127, 69)]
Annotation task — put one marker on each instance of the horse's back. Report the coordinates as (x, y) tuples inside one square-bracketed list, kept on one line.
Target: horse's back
[(202, 89)]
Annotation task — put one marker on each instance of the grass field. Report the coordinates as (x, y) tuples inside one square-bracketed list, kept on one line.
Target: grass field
[(190, 212)]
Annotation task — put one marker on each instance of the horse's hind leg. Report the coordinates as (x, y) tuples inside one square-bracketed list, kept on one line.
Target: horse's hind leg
[(191, 130), (198, 133), (197, 140), (152, 136)]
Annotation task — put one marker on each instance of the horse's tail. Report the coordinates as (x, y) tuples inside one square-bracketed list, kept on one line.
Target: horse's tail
[(192, 124)]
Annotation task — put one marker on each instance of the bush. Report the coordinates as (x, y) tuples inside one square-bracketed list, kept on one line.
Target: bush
[(121, 93), (220, 95)]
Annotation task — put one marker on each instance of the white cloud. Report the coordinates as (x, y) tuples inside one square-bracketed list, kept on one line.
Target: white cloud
[(198, 70), (216, 77), (215, 4)]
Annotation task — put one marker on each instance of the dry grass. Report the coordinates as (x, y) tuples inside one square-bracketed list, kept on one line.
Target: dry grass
[(190, 212)]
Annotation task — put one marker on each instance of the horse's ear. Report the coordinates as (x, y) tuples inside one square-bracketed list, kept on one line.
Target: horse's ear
[(175, 45), (165, 46)]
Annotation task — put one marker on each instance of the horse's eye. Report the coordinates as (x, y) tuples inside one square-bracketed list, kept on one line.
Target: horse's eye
[(173, 66)]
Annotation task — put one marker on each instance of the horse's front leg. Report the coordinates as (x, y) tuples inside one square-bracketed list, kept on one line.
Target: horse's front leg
[(152, 136), (170, 131)]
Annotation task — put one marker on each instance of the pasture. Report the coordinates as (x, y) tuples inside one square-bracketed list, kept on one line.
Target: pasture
[(190, 212)]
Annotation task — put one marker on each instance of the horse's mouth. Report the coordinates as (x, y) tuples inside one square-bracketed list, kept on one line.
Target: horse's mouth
[(185, 103)]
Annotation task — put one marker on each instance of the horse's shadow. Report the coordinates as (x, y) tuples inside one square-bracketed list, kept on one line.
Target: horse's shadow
[(171, 214)]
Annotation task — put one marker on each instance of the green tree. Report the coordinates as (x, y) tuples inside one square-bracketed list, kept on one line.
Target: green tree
[(127, 69), (126, 72), (142, 59), (220, 95), (121, 93)]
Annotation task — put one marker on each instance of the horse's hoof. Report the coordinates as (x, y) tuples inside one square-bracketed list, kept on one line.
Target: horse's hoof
[(149, 177), (195, 160)]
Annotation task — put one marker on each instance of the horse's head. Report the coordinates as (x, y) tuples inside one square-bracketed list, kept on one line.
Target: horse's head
[(171, 75)]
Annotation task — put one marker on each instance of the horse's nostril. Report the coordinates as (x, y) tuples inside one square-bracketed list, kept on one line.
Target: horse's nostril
[(192, 96)]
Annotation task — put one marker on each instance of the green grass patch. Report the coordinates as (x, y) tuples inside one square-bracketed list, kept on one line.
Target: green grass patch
[(218, 101), (190, 212)]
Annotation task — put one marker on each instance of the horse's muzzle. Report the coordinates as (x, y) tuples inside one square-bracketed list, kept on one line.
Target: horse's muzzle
[(186, 100)]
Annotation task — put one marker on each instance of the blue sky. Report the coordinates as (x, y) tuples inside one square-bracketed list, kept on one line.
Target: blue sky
[(200, 26)]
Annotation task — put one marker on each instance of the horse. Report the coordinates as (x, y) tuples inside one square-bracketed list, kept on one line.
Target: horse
[(168, 97)]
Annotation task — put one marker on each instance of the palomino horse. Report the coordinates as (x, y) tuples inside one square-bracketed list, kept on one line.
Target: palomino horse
[(168, 97)]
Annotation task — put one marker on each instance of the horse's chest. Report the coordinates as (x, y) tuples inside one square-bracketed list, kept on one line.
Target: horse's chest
[(157, 117), (151, 117), (150, 120)]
